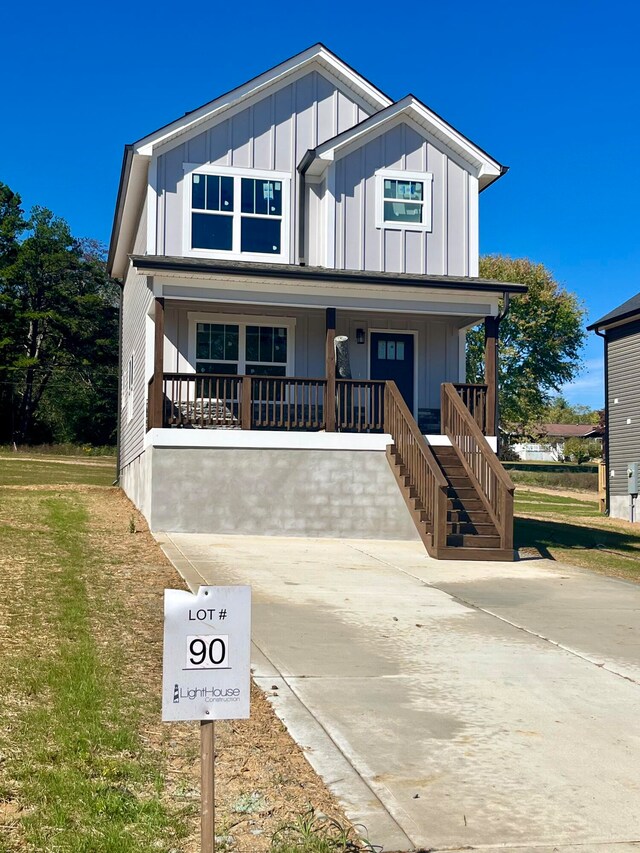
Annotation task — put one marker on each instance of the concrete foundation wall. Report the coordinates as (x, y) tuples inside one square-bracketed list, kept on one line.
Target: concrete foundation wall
[(619, 507), (273, 492), (135, 480)]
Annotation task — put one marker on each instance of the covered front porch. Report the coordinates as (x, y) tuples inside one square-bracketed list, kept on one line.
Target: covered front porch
[(216, 366)]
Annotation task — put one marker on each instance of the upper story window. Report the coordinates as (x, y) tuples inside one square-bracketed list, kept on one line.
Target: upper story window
[(236, 213), (403, 200)]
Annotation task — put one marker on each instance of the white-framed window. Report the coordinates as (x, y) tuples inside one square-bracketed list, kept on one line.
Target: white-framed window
[(241, 344), (236, 213), (404, 200)]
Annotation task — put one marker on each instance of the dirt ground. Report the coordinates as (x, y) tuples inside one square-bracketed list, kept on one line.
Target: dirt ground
[(263, 779)]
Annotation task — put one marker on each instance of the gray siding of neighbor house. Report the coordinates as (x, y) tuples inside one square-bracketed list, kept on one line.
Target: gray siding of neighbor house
[(438, 354), (624, 415), (136, 301), (450, 248), (272, 134)]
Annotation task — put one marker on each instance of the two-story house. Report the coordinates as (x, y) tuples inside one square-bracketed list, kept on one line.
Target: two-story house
[(301, 215)]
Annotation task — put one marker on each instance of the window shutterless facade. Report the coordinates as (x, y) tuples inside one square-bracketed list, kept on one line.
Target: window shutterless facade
[(236, 213), (404, 200)]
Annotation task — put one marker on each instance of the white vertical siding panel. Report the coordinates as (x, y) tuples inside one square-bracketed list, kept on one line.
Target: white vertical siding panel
[(351, 191), (474, 227), (327, 118), (414, 147), (174, 182), (160, 207), (218, 139), (241, 148), (371, 235), (262, 141), (305, 124), (436, 238), (197, 149), (283, 101), (456, 220), (347, 112)]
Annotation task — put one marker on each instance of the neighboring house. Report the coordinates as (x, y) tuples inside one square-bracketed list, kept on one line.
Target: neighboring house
[(248, 234), (620, 330), (551, 448)]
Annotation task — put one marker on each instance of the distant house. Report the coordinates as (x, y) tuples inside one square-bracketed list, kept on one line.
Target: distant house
[(302, 207), (620, 330), (551, 441)]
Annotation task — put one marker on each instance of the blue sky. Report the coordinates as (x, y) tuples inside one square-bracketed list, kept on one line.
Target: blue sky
[(549, 88)]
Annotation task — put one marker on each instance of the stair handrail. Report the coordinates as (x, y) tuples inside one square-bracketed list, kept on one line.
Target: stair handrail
[(492, 482), (424, 473)]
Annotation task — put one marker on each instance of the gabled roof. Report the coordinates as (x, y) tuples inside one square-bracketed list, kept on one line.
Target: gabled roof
[(628, 311), (488, 169), (316, 54), (567, 430), (137, 155)]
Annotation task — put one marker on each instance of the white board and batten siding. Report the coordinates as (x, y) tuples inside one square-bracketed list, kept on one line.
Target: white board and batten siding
[(623, 346), (273, 135), (137, 300), (449, 248)]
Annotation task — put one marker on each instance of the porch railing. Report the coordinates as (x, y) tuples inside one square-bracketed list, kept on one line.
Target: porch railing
[(480, 462), (475, 399), (360, 405), (426, 478), (267, 402)]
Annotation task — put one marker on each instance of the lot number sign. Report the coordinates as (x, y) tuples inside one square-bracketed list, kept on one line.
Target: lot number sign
[(207, 650)]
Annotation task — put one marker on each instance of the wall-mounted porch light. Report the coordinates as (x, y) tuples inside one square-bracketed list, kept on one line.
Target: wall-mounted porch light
[(359, 336)]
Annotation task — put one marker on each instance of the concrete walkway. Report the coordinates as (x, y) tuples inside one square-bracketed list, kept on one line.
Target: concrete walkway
[(448, 705)]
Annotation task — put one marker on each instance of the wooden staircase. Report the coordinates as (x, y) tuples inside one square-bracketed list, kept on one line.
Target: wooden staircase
[(459, 495)]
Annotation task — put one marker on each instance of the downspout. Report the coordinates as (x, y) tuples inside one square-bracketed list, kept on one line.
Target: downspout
[(116, 482), (607, 501)]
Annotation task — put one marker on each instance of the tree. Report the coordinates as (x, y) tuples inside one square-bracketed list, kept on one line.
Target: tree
[(58, 341), (559, 411), (540, 340), (581, 450)]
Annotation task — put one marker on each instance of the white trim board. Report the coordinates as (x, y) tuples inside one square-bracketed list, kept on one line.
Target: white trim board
[(280, 440)]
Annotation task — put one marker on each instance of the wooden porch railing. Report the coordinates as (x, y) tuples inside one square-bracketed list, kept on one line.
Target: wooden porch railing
[(267, 402), (426, 477), (360, 405), (475, 399), (480, 462), (283, 402)]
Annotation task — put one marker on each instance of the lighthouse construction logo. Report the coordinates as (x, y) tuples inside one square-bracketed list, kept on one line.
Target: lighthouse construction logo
[(206, 663)]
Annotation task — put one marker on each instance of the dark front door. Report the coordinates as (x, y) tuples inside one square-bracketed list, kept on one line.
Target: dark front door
[(392, 358)]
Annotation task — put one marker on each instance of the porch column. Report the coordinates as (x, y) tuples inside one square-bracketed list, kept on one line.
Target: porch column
[(491, 329), (330, 372), (157, 398)]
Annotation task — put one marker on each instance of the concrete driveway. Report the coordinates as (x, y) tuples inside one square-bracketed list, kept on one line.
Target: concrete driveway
[(448, 705)]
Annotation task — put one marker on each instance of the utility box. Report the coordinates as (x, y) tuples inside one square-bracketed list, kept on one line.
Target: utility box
[(633, 478)]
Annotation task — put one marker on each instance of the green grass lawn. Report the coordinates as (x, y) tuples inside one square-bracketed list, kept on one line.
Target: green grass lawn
[(19, 470), (571, 530), (75, 772)]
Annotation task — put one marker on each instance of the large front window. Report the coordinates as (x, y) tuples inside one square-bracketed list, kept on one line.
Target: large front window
[(256, 349), (237, 215)]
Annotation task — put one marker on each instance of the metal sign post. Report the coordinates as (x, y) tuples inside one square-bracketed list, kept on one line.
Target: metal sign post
[(206, 672)]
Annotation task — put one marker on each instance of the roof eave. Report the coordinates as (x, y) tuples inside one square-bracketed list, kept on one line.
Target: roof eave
[(160, 264)]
